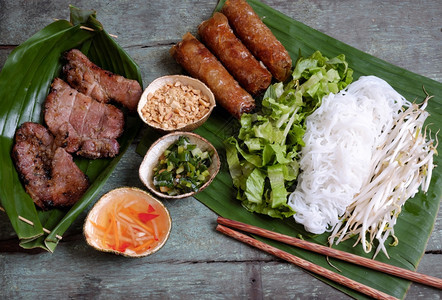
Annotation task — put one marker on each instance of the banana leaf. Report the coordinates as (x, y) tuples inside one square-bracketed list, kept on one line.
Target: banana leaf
[(417, 218), (25, 80)]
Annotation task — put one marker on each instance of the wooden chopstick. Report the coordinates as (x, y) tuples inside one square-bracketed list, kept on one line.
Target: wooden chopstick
[(349, 257), (305, 264)]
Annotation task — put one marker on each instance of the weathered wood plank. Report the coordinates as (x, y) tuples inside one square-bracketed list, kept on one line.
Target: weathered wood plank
[(403, 33)]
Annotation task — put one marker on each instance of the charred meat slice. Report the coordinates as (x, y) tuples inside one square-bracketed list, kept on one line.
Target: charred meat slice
[(93, 147), (51, 177), (68, 183), (32, 154), (80, 124), (100, 84)]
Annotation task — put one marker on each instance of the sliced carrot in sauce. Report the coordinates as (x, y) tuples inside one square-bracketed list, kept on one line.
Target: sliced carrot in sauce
[(99, 227), (128, 227), (144, 246)]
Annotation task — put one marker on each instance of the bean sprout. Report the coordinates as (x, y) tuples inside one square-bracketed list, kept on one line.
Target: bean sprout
[(401, 165)]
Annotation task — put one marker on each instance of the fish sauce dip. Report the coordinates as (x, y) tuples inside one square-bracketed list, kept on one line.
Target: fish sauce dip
[(128, 221)]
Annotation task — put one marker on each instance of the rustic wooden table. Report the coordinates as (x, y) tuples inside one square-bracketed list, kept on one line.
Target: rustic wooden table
[(198, 262)]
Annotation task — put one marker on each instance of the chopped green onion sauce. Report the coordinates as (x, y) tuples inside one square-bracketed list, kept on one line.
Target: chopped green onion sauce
[(182, 168)]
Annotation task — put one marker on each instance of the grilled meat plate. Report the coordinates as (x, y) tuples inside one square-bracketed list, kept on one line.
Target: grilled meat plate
[(100, 84), (49, 174), (81, 124)]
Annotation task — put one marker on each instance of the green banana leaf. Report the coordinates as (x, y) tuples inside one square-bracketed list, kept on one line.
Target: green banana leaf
[(417, 218), (24, 84)]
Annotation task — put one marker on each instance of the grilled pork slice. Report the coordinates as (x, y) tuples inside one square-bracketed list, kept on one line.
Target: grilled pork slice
[(80, 124), (49, 174), (100, 84)]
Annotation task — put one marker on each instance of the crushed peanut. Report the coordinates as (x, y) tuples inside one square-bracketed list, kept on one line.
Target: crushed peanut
[(175, 105)]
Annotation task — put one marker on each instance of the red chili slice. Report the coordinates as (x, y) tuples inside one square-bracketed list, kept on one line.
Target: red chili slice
[(123, 247), (145, 217), (150, 209)]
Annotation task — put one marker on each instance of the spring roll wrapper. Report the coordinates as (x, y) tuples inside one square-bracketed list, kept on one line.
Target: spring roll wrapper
[(218, 36), (200, 63), (258, 38)]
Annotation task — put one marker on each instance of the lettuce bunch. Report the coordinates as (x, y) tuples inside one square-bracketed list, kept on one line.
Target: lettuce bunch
[(263, 158)]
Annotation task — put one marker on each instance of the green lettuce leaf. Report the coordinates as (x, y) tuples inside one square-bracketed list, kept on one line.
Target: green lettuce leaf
[(264, 137), (278, 195), (255, 186)]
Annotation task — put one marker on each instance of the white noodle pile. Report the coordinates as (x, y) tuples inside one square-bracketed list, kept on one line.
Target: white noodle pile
[(340, 139)]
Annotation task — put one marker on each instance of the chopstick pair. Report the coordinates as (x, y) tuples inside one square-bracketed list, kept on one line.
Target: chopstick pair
[(352, 258)]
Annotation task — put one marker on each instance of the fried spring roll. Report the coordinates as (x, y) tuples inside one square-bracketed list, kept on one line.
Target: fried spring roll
[(218, 36), (258, 38), (200, 63)]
